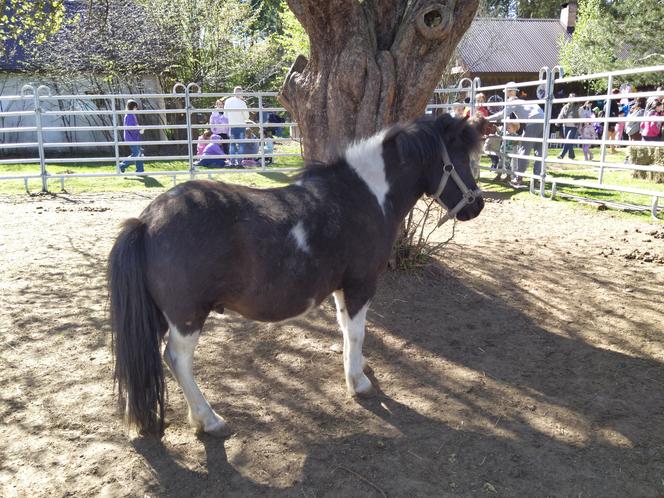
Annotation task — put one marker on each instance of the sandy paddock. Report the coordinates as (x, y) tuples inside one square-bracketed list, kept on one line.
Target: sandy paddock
[(526, 361)]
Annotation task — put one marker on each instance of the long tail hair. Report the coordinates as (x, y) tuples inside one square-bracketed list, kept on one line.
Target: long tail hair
[(138, 327)]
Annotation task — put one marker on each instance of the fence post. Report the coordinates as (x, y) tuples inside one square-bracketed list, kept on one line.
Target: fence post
[(261, 131), (190, 140), (605, 128), (466, 89), (503, 143), (36, 94), (116, 146), (546, 128)]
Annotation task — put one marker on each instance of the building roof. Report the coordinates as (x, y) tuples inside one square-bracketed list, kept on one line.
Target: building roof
[(500, 45)]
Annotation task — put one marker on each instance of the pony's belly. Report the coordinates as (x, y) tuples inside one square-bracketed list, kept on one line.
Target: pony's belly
[(271, 311)]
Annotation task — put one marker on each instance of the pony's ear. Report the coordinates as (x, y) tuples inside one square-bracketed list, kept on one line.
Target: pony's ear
[(464, 131), (479, 123)]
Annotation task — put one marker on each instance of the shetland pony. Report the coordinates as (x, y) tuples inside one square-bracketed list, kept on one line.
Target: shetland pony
[(272, 254)]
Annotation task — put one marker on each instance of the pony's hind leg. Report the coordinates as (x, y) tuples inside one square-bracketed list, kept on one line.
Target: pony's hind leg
[(179, 356), (357, 383)]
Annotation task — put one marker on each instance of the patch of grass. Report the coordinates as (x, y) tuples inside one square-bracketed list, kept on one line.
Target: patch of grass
[(262, 178), (589, 174)]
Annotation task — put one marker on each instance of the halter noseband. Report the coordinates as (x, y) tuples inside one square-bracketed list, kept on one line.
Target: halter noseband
[(468, 196)]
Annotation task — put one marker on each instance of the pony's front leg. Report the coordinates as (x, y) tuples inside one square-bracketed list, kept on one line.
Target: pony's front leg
[(352, 327), (179, 356)]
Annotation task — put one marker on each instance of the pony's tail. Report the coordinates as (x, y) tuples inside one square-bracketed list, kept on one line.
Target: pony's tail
[(137, 328)]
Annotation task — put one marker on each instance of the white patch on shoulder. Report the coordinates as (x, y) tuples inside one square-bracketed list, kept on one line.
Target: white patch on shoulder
[(300, 236), (366, 158)]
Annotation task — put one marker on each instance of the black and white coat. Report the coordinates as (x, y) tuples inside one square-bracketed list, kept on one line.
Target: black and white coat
[(269, 255)]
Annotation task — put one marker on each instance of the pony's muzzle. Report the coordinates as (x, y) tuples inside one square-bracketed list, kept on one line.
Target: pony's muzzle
[(471, 210)]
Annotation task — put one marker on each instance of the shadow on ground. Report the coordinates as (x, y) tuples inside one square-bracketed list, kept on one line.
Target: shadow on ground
[(478, 399)]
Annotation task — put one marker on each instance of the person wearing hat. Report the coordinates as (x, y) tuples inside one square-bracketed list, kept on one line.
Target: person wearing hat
[(132, 133), (523, 110)]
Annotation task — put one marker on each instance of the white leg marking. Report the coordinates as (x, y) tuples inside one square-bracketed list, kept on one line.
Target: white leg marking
[(179, 356), (353, 330), (300, 236), (366, 158)]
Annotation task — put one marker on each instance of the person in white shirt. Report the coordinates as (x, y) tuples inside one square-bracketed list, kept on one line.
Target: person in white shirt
[(235, 109), (523, 110)]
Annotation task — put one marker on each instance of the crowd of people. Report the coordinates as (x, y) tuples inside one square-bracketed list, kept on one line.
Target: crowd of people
[(231, 133), (517, 107)]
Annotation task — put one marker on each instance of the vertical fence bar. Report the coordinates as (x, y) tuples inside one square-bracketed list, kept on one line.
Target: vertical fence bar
[(116, 146), (190, 150), (605, 128), (261, 144), (546, 127), (503, 143), (40, 133)]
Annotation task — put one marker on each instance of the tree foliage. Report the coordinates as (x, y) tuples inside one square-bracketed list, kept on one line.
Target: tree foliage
[(291, 41), (108, 39), (538, 9), (23, 22), (526, 9), (216, 44), (612, 36), (591, 48)]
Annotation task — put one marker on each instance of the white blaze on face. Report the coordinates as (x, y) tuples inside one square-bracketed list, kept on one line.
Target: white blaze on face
[(300, 235), (366, 158)]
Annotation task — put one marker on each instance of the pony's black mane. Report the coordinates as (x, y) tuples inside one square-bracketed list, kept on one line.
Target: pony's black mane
[(418, 140), (421, 139)]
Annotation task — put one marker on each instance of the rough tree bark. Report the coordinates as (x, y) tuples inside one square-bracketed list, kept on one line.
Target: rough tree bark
[(372, 63)]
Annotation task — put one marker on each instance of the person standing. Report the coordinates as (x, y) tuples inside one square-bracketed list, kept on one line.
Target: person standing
[(523, 110), (633, 128), (480, 107), (570, 130), (587, 129), (650, 130), (219, 124), (611, 110), (237, 113), (132, 133)]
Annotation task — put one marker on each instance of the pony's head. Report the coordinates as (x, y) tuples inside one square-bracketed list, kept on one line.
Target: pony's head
[(441, 148)]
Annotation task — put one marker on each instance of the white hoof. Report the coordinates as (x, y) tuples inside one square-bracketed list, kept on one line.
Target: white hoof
[(218, 429), (363, 387), (213, 424)]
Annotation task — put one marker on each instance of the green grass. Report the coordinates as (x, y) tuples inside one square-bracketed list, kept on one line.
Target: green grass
[(263, 178), (589, 174), (271, 178)]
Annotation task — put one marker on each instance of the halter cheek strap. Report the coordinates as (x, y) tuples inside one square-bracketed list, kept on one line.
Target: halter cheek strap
[(468, 196)]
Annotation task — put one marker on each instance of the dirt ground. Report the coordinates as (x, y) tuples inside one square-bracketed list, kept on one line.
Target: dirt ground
[(527, 361)]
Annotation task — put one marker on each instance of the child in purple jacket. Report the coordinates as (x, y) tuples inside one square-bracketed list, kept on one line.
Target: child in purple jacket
[(212, 149), (132, 133)]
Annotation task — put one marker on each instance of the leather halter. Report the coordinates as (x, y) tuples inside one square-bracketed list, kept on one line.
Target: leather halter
[(468, 196)]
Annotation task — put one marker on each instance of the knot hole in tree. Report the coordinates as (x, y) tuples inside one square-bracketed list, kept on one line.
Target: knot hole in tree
[(434, 21)]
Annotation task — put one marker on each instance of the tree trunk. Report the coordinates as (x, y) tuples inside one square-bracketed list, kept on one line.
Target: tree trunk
[(372, 63)]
